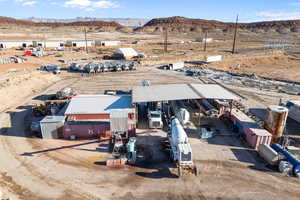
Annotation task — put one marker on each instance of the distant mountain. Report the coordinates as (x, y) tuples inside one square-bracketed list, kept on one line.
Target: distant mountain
[(97, 24), (132, 22), (183, 24)]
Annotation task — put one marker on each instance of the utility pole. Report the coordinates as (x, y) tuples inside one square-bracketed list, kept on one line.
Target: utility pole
[(205, 40), (235, 33), (166, 40), (86, 49)]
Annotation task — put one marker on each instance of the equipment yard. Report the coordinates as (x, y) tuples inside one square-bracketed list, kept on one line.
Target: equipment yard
[(34, 168)]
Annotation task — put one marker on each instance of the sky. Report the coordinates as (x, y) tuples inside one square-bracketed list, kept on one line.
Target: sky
[(223, 10)]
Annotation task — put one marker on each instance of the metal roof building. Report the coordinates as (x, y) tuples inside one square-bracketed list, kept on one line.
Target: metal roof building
[(99, 104), (172, 92), (125, 53)]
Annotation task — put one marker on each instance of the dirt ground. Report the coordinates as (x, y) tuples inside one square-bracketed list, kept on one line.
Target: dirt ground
[(32, 168), (252, 56)]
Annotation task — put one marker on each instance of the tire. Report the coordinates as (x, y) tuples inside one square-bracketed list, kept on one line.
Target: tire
[(179, 172), (196, 171)]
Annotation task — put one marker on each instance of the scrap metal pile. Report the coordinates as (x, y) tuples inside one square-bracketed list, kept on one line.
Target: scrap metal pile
[(103, 67), (239, 80)]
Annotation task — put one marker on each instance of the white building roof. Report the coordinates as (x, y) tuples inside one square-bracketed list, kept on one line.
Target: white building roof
[(126, 52), (99, 104), (180, 92)]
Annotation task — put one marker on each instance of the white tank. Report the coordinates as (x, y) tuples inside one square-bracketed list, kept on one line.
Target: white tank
[(268, 154), (181, 113), (178, 133)]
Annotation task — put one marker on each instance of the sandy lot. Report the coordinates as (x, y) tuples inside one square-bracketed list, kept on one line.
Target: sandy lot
[(32, 168)]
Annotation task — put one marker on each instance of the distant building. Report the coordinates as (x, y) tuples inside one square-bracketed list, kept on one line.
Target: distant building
[(107, 43), (203, 40), (6, 44), (125, 53), (49, 43), (80, 43)]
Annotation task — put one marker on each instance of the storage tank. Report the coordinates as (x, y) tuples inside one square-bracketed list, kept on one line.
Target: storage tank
[(180, 113), (268, 154), (178, 133), (275, 121)]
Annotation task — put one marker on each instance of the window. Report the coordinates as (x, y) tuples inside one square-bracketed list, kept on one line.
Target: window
[(154, 115), (74, 44), (61, 44), (24, 45), (1, 46)]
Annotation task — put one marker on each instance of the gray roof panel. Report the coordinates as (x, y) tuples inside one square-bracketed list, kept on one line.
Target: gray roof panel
[(156, 93)]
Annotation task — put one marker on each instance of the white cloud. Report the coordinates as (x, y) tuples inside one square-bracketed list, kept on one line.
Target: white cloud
[(279, 15), (104, 4), (294, 4), (89, 5), (28, 3), (77, 3)]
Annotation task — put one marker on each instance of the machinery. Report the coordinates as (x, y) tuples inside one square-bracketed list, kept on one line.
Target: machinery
[(154, 117), (290, 158), (65, 93), (181, 151)]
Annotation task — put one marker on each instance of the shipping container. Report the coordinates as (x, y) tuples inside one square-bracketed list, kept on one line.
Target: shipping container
[(85, 130), (255, 135)]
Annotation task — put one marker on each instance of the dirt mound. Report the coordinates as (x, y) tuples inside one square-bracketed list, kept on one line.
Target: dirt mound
[(182, 24)]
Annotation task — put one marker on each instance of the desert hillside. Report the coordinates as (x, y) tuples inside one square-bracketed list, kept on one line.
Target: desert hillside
[(11, 23), (182, 24)]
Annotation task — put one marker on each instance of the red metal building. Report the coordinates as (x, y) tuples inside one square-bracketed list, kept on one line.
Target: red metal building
[(88, 116)]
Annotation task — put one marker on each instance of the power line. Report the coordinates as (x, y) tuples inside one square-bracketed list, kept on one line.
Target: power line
[(205, 40), (86, 49), (166, 40), (235, 34)]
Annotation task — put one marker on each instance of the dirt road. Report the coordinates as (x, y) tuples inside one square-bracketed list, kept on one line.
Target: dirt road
[(32, 168)]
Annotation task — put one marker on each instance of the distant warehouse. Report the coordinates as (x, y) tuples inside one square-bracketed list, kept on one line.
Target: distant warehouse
[(80, 43), (107, 43)]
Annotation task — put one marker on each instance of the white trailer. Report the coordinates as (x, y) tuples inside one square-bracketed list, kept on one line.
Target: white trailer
[(175, 66), (181, 151), (210, 59)]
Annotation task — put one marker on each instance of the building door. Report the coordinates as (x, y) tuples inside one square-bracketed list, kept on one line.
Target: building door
[(24, 45), (1, 46)]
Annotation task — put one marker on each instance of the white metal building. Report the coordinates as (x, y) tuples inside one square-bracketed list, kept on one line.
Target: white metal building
[(6, 44), (80, 43), (49, 43), (126, 53), (107, 42)]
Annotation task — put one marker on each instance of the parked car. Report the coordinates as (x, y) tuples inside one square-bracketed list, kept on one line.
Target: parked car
[(51, 68)]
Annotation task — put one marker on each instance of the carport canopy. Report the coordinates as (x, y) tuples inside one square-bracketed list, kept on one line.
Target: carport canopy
[(156, 93)]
